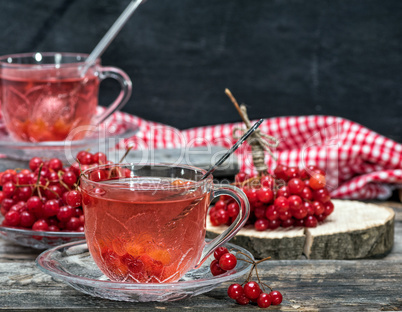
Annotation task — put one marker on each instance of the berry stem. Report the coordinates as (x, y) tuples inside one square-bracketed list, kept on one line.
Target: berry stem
[(125, 154), (60, 174)]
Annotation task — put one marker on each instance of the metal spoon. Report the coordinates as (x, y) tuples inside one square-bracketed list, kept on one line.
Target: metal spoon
[(111, 34), (232, 149)]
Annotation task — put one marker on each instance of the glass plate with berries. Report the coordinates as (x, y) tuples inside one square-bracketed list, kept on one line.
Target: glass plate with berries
[(41, 207), (38, 239), (98, 139), (72, 264)]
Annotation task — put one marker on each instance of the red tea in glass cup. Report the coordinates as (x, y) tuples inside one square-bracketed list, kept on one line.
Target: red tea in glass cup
[(44, 96), (147, 223)]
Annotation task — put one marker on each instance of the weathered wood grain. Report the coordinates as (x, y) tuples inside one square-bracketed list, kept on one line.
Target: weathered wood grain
[(307, 285), (355, 230), (365, 285)]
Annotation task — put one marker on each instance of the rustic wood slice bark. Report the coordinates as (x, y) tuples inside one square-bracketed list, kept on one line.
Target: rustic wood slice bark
[(354, 230)]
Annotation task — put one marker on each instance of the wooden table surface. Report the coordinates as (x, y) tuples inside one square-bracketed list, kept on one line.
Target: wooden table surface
[(307, 285)]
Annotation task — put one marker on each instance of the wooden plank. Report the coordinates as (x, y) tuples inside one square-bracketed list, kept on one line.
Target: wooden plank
[(307, 285), (331, 285)]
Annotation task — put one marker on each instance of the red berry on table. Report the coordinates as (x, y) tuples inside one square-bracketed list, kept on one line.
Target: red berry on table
[(241, 177), (285, 215), (283, 191), (20, 178), (276, 297), (243, 300), (321, 217), (74, 198), (265, 195), (220, 204), (51, 208), (310, 208), (274, 224), (55, 164), (7, 203), (299, 222), (310, 221), (261, 224), (233, 210), (65, 213), (73, 224), (9, 189), (2, 196), (252, 290), (259, 211), (13, 218), (264, 300), (24, 193), (99, 158), (329, 208), (219, 252), (295, 202), (272, 213), (235, 291), (252, 195), (281, 203), (221, 216), (295, 186), (319, 208), (69, 178), (288, 222), (7, 177), (307, 193), (321, 195), (267, 181), (54, 192), (215, 268), (293, 172), (227, 261), (317, 181), (34, 204), (53, 228), (280, 172), (40, 225), (27, 219), (300, 212), (34, 163)]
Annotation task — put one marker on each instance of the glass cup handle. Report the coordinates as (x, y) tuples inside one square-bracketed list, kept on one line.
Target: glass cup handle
[(244, 212), (124, 95)]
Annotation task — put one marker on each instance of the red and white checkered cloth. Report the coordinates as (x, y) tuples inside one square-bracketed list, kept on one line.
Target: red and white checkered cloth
[(359, 163)]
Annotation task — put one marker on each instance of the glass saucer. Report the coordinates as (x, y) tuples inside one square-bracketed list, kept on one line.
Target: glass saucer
[(72, 264), (100, 138), (38, 239)]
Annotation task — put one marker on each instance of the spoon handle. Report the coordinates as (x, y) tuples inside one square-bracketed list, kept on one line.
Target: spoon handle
[(111, 34), (233, 148)]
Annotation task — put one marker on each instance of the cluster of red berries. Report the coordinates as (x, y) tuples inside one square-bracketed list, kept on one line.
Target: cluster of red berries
[(290, 197), (45, 197), (251, 291)]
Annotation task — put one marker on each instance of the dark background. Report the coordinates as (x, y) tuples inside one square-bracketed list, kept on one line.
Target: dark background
[(281, 57)]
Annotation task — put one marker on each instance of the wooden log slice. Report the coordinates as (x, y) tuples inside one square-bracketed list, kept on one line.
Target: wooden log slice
[(354, 230)]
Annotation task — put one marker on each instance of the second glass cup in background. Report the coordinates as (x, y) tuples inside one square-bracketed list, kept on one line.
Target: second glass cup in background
[(44, 96)]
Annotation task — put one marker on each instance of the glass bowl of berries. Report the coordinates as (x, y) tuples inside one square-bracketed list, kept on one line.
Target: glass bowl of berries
[(38, 239), (41, 207)]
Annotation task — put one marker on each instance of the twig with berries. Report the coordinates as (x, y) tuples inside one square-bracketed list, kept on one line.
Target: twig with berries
[(249, 291)]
